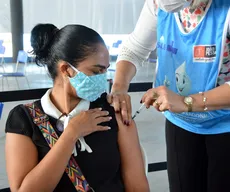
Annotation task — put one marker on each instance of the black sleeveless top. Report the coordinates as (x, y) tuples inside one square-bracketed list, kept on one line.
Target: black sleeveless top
[(102, 168)]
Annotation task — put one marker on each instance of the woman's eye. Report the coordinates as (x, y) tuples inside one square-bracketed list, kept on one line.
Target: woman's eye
[(96, 72), (99, 71)]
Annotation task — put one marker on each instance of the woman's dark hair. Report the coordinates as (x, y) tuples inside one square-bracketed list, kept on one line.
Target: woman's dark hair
[(72, 43)]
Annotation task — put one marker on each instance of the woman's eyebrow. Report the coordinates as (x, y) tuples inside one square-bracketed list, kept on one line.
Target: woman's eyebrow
[(102, 66)]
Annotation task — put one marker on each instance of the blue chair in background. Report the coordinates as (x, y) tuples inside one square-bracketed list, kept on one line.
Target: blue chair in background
[(114, 47), (116, 44), (1, 109), (2, 52), (21, 58), (119, 42), (2, 61)]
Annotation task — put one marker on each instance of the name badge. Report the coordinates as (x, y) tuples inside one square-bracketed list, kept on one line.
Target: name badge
[(204, 53)]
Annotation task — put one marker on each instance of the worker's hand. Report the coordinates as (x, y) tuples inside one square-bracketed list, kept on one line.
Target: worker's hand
[(164, 99), (121, 102)]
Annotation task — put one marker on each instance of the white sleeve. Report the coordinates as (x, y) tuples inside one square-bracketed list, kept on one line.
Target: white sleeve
[(143, 39), (228, 82)]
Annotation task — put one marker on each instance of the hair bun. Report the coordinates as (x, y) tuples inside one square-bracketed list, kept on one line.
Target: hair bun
[(42, 36)]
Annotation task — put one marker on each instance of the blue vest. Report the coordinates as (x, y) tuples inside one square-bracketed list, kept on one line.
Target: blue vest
[(189, 63)]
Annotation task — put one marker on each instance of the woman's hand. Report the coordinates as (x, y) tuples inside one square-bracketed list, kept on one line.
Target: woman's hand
[(122, 103), (163, 99), (88, 122)]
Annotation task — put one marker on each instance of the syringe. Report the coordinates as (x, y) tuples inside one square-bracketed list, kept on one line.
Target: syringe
[(139, 110)]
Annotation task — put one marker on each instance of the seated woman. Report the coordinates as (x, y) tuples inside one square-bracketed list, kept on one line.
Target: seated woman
[(72, 127)]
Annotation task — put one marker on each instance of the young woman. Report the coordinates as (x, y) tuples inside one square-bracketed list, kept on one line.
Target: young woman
[(88, 130)]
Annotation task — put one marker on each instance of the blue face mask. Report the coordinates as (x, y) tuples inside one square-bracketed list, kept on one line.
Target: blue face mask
[(89, 88)]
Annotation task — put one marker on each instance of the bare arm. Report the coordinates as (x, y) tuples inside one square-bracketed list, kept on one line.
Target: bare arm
[(24, 171), (217, 98), (132, 162), (133, 52), (125, 71)]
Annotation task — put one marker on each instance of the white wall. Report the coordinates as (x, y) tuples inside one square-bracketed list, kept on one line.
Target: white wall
[(5, 16), (105, 16)]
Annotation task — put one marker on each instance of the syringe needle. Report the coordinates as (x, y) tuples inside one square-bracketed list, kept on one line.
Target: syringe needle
[(139, 110)]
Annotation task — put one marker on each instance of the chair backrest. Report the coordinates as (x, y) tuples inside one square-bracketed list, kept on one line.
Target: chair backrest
[(119, 41), (1, 109), (22, 56), (2, 50), (115, 45)]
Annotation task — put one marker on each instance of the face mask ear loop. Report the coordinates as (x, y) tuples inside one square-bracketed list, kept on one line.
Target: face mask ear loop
[(74, 68)]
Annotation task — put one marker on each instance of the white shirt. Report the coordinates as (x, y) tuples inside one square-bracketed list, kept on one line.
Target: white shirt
[(51, 110), (142, 41)]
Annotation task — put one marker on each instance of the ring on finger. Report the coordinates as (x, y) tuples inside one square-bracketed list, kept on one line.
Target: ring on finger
[(157, 103)]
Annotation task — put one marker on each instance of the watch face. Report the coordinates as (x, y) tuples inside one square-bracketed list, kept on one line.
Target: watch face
[(188, 100)]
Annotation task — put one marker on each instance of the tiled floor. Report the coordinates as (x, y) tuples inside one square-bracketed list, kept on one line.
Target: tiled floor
[(150, 123)]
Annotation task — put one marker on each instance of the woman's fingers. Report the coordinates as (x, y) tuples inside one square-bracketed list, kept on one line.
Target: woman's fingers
[(143, 98), (129, 108), (94, 110), (98, 114), (126, 109), (149, 97), (102, 128), (163, 107), (148, 100), (124, 112), (161, 104), (156, 105), (109, 98), (122, 103), (116, 103), (103, 119)]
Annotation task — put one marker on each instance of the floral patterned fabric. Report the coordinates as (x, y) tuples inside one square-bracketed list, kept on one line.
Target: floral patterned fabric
[(190, 19)]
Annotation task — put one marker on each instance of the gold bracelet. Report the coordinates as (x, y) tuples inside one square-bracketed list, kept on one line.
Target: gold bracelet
[(204, 99)]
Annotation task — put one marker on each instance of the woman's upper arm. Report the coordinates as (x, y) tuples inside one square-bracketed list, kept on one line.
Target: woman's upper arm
[(21, 153), (21, 158), (132, 162), (144, 37)]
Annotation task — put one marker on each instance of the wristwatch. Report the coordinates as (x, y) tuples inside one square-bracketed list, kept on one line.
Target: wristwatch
[(188, 101)]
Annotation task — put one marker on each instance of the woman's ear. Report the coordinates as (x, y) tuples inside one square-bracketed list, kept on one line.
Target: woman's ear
[(65, 72), (64, 69)]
